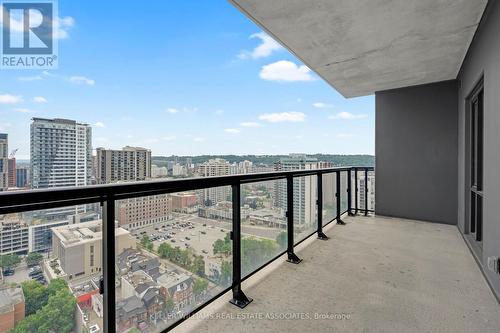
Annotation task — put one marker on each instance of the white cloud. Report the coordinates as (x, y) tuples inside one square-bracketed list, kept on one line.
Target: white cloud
[(39, 99), (30, 78), (321, 105), (232, 130), (82, 80), (99, 124), (10, 99), (24, 110), (285, 71), (61, 25), (199, 139), (219, 112), (283, 116), (177, 110), (250, 124), (347, 116), (172, 110), (266, 47)]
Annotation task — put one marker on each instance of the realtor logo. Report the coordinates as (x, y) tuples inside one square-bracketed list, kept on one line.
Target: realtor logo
[(28, 35)]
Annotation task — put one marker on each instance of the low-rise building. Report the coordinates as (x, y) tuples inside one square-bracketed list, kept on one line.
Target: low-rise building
[(179, 287), (79, 247), (185, 202), (12, 308), (13, 235), (136, 213)]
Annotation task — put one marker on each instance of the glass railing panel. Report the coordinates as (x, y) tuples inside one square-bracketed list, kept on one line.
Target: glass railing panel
[(180, 256), (263, 223), (329, 202), (305, 218), (343, 192), (52, 263)]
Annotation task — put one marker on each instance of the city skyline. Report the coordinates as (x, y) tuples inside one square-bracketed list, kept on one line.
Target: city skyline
[(219, 86)]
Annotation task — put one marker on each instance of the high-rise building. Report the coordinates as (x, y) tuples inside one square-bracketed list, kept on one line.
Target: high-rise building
[(4, 161), (179, 170), (304, 189), (128, 164), (215, 167), (61, 153), (11, 171), (22, 176), (158, 172)]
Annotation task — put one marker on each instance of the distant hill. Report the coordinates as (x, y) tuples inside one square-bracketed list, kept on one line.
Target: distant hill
[(340, 160)]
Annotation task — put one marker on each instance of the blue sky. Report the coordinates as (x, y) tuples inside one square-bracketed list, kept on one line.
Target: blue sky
[(182, 77)]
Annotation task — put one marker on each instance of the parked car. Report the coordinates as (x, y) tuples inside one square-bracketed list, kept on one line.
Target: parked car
[(8, 272)]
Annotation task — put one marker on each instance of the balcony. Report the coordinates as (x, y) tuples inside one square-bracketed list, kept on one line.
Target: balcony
[(373, 274)]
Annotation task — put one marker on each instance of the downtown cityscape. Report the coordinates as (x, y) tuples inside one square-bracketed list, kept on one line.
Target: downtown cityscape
[(249, 166), (173, 250)]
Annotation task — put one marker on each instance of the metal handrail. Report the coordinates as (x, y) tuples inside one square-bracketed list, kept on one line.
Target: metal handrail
[(107, 195)]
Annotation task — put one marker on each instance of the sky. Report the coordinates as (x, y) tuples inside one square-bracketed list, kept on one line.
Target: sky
[(182, 77)]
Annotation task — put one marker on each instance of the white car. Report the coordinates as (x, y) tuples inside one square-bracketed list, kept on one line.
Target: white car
[(94, 328)]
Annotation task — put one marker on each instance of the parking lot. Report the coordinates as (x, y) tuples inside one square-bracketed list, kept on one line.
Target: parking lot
[(191, 231)]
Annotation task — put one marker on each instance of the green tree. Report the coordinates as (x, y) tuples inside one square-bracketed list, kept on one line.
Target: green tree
[(255, 252), (56, 314), (56, 285), (9, 260), (199, 287), (226, 273), (147, 243), (198, 266), (169, 304), (222, 246), (282, 240), (165, 250), (33, 258), (35, 296)]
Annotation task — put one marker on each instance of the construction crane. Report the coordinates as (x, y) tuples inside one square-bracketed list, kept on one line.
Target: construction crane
[(13, 153)]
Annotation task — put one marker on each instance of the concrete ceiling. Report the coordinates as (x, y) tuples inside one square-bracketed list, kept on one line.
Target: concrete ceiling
[(364, 46)]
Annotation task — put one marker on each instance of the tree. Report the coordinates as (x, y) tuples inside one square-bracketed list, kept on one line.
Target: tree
[(223, 246), (199, 287), (169, 304), (282, 240), (56, 285), (33, 259), (9, 260), (198, 266), (226, 273), (54, 314), (147, 243), (35, 296)]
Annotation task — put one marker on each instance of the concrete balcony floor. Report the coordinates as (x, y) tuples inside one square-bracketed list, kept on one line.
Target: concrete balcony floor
[(383, 274)]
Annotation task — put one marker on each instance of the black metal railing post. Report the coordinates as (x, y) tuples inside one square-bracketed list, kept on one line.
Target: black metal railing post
[(356, 191), (366, 191), (292, 257), (349, 193), (239, 298), (108, 237), (338, 198), (319, 202)]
